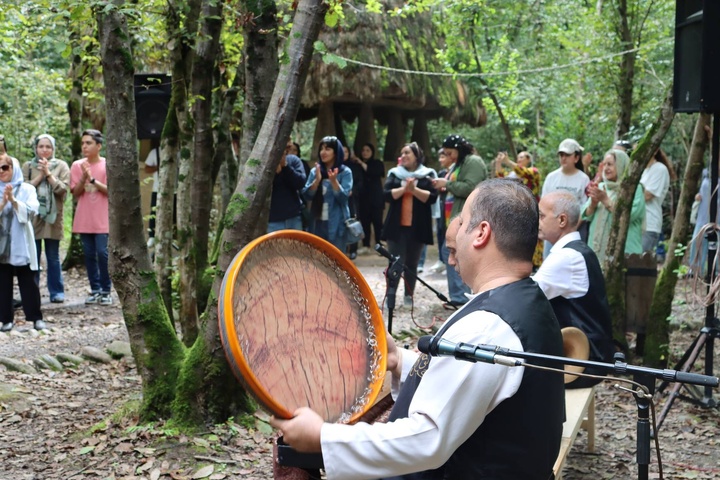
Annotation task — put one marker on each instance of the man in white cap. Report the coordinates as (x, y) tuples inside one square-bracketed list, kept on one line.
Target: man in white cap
[(569, 177)]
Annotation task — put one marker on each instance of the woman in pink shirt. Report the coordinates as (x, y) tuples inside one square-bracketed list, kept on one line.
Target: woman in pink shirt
[(88, 183)]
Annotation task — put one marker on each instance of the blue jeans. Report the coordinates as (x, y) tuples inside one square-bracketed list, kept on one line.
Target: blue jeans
[(54, 271), (456, 288), (294, 223), (321, 228), (95, 247)]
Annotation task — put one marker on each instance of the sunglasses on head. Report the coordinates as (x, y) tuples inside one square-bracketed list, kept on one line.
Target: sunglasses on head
[(5, 167), (329, 140)]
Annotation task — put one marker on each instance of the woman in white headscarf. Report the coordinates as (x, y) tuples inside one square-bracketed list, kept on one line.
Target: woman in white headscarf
[(18, 257), (50, 177), (600, 205)]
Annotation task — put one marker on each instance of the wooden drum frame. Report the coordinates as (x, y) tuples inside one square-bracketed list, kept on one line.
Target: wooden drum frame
[(301, 327)]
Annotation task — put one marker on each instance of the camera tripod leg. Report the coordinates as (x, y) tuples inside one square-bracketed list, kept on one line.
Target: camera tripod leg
[(687, 361)]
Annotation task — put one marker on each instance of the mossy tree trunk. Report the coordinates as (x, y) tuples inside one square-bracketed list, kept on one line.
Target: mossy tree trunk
[(182, 17), (224, 163), (261, 73), (657, 341), (156, 349), (207, 50), (206, 387), (614, 266)]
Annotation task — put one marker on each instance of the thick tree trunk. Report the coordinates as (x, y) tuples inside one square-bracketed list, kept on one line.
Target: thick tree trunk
[(74, 255), (421, 136), (614, 267), (325, 125), (261, 69), (395, 136), (155, 347), (365, 132), (206, 387), (657, 341)]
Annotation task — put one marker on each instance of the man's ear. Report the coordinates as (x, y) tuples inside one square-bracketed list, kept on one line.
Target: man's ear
[(483, 236), (563, 220)]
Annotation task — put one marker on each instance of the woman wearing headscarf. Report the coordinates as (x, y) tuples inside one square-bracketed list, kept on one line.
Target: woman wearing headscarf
[(599, 207), (328, 187), (372, 203), (17, 245), (410, 194), (469, 170), (50, 177)]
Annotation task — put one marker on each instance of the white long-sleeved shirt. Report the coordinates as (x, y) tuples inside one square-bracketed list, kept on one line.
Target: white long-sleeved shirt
[(450, 403), (563, 273)]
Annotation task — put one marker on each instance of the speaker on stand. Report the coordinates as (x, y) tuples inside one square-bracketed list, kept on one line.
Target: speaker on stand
[(152, 99), (695, 89)]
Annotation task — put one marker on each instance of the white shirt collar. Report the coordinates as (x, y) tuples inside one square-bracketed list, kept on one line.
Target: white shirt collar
[(565, 239)]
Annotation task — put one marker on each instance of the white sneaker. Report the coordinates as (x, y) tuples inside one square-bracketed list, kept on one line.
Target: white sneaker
[(436, 267), (363, 251), (408, 301)]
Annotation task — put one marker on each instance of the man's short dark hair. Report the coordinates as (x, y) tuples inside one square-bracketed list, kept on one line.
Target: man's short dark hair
[(96, 135), (512, 212)]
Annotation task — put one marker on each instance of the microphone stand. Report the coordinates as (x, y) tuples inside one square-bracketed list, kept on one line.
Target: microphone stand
[(643, 375), (392, 275)]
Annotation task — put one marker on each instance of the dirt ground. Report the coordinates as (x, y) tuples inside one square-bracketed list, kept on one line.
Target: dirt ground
[(78, 423)]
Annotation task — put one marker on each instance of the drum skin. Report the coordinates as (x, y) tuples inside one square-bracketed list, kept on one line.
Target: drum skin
[(300, 327)]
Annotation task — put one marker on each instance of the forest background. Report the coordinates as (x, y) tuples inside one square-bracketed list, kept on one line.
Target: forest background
[(543, 71)]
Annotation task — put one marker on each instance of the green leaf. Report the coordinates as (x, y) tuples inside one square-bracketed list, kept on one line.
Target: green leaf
[(331, 58), (86, 450)]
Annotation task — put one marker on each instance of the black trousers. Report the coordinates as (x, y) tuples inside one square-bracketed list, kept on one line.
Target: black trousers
[(371, 216), (29, 293)]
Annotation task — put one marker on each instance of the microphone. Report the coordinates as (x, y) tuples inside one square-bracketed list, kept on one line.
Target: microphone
[(439, 347), (383, 251)]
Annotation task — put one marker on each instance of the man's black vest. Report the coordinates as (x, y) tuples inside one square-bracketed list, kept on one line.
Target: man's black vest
[(520, 438), (590, 313)]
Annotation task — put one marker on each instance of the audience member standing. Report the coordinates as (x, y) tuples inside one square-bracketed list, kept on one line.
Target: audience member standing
[(372, 203), (50, 177), (285, 203), (523, 170), (408, 225), (569, 177), (442, 220), (469, 171), (656, 183), (328, 187), (293, 148), (358, 175), (598, 209), (18, 256), (88, 183)]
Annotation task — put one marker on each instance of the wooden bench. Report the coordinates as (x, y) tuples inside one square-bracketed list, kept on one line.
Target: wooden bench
[(579, 412)]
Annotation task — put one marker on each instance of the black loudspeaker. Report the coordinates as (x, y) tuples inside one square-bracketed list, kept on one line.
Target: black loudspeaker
[(697, 56), (152, 99)]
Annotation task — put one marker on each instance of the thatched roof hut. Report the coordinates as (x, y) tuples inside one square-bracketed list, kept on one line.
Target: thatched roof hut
[(390, 97)]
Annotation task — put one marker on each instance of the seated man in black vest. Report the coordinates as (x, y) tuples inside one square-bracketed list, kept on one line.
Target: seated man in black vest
[(573, 281), (455, 419)]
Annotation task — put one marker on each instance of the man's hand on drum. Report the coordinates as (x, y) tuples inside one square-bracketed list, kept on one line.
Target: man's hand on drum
[(302, 432)]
